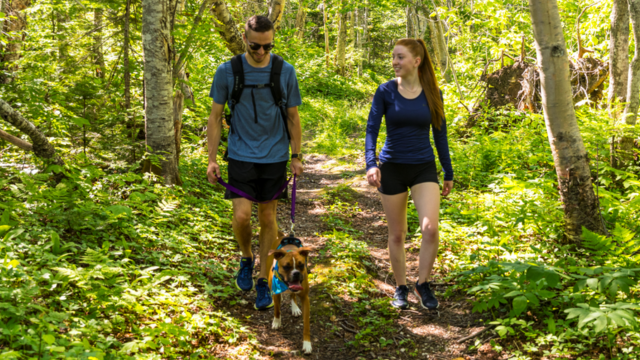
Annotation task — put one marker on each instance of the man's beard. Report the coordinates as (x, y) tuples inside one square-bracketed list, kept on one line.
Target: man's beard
[(254, 57)]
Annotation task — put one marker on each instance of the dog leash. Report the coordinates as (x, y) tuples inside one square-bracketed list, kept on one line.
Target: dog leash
[(280, 191)]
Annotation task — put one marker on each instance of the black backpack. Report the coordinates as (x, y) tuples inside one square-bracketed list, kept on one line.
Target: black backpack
[(274, 85)]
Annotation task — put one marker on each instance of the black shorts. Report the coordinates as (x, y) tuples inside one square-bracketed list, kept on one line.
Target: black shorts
[(262, 181), (397, 178)]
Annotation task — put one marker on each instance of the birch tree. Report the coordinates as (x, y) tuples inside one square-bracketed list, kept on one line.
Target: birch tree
[(633, 87), (157, 20), (276, 11), (227, 27), (619, 54), (97, 41), (581, 207)]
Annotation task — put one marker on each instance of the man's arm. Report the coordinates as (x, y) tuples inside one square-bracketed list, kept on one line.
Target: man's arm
[(295, 132), (214, 128)]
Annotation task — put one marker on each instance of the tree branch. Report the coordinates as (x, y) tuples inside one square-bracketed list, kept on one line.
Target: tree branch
[(187, 44), (16, 141)]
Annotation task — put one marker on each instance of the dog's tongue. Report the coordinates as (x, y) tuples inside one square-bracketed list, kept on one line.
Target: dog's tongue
[(295, 287)]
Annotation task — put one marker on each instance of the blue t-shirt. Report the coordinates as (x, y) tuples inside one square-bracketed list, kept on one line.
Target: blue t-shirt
[(408, 122), (262, 138)]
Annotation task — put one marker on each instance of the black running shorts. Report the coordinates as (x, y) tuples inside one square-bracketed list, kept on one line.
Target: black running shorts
[(397, 178), (262, 181)]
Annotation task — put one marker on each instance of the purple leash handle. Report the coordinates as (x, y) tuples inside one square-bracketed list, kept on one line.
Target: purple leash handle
[(293, 206)]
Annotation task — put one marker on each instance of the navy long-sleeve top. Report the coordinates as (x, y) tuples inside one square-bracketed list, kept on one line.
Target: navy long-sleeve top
[(408, 122)]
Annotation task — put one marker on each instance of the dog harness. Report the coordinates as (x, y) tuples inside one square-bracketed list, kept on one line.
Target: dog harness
[(278, 284)]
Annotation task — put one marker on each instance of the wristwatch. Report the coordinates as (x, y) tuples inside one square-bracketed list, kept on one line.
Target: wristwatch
[(297, 156)]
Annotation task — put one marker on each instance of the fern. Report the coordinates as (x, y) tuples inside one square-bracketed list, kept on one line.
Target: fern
[(166, 206), (621, 242)]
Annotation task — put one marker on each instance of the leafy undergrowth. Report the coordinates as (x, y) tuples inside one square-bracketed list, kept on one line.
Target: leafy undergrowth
[(115, 266)]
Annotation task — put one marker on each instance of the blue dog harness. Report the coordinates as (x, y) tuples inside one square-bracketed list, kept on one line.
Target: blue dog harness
[(278, 285)]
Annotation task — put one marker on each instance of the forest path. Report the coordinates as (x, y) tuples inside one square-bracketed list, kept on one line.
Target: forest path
[(410, 334)]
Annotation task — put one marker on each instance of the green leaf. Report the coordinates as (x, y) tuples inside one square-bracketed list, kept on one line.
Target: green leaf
[(80, 121), (4, 229), (49, 339), (519, 304), (532, 299), (119, 209), (546, 294), (513, 293), (552, 278), (551, 325), (600, 324), (55, 243), (593, 283), (535, 273)]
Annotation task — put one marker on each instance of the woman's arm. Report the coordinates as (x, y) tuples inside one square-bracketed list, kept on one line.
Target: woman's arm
[(373, 128)]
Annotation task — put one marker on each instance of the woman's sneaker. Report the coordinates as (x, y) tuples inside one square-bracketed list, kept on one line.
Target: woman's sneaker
[(425, 294), (400, 297), (244, 278)]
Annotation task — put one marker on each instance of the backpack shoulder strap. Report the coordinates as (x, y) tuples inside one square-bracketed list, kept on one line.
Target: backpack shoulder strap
[(276, 86), (238, 79)]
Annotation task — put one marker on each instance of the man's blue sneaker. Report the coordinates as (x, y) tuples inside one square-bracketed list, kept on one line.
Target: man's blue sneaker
[(425, 295), (244, 278), (263, 300)]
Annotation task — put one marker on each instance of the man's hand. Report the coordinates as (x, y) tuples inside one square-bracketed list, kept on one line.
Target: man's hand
[(446, 187), (296, 167), (213, 172), (374, 176)]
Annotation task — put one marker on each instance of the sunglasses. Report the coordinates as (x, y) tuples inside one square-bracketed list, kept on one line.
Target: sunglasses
[(256, 47)]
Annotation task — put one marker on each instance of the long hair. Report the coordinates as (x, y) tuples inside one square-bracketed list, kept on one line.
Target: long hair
[(428, 79)]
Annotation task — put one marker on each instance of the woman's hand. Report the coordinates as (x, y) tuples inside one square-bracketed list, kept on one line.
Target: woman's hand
[(446, 187), (374, 176)]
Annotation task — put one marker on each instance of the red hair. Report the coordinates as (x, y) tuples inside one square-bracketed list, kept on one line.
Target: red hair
[(427, 77)]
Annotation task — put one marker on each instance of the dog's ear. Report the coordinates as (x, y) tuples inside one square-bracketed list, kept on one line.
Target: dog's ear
[(277, 254), (304, 251)]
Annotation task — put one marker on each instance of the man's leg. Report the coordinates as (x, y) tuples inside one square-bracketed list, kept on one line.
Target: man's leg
[(241, 223), (268, 234)]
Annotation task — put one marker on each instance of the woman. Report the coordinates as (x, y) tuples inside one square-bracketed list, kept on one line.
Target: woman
[(411, 104)]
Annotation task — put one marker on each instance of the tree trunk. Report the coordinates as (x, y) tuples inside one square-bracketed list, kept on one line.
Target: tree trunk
[(97, 42), (24, 145), (352, 28), (127, 70), (326, 31), (41, 146), (63, 47), (365, 33), (581, 207), (633, 88), (618, 55), (157, 20), (300, 17), (276, 11), (15, 23), (228, 29), (341, 47), (409, 27), (359, 40)]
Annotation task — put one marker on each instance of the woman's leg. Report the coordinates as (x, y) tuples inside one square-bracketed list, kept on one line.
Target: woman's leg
[(426, 197), (395, 209)]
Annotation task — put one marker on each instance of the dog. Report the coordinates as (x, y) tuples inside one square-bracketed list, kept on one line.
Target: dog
[(290, 272)]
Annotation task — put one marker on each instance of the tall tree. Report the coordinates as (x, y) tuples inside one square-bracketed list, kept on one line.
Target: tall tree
[(127, 69), (633, 88), (409, 23), (300, 17), (341, 47), (276, 11), (619, 54), (359, 39), (97, 41), (14, 24), (326, 31), (581, 207), (157, 23)]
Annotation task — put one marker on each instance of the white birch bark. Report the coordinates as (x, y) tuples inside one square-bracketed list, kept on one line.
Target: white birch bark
[(581, 207), (13, 26), (619, 53), (158, 55)]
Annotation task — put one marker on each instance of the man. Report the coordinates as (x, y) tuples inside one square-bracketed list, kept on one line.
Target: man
[(258, 146)]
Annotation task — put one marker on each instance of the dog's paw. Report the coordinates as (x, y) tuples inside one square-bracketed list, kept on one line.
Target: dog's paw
[(306, 347), (295, 310), (276, 323)]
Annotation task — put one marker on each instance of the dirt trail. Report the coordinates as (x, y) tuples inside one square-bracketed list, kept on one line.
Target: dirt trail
[(434, 333)]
